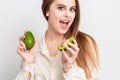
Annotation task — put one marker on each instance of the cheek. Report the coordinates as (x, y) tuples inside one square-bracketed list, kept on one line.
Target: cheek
[(73, 17), (54, 16), (57, 15)]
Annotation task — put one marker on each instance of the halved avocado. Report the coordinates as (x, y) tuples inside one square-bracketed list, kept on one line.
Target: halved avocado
[(62, 47)]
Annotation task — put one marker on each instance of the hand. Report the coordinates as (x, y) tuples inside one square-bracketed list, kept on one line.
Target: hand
[(69, 56), (27, 55)]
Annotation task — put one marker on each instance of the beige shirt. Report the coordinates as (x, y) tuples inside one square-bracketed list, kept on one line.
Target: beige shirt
[(48, 68)]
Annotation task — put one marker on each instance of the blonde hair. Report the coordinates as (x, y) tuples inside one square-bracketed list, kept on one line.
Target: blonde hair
[(88, 57)]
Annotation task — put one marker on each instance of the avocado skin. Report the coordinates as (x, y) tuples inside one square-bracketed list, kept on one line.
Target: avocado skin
[(62, 47), (29, 40)]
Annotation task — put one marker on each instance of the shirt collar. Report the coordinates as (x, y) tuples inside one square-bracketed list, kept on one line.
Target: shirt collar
[(43, 47)]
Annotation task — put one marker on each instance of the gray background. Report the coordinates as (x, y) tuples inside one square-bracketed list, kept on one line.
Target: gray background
[(100, 18)]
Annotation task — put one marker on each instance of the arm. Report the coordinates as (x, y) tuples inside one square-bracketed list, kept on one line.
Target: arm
[(27, 72), (76, 73), (70, 69)]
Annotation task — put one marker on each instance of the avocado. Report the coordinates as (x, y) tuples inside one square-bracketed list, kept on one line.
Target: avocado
[(62, 47), (29, 40)]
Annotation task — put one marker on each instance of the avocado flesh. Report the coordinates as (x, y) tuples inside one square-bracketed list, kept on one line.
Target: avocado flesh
[(29, 40), (62, 47)]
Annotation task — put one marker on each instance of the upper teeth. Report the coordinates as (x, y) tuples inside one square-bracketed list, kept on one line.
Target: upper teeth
[(65, 21)]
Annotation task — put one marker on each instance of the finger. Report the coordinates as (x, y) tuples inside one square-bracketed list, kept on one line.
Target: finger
[(20, 50), (71, 51), (21, 43), (35, 44), (75, 42), (21, 38), (68, 59), (75, 47)]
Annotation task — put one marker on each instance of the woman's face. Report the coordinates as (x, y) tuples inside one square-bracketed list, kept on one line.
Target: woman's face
[(61, 15)]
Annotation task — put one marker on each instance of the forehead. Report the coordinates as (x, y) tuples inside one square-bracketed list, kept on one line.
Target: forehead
[(65, 2)]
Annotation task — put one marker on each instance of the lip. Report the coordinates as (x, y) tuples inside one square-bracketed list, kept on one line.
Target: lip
[(64, 23)]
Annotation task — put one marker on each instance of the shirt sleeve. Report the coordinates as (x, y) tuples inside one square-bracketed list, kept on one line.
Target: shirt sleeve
[(76, 73), (25, 70)]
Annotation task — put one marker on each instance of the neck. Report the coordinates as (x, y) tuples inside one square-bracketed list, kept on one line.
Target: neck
[(53, 37)]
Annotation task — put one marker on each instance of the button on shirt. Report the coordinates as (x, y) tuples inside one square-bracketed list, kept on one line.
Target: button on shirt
[(46, 67)]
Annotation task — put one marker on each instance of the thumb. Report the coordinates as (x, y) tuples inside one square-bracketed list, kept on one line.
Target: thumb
[(35, 44)]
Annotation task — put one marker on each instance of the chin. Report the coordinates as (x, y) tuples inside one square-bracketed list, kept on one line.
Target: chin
[(62, 32)]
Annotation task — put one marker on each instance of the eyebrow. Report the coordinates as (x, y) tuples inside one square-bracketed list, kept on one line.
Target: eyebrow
[(63, 5)]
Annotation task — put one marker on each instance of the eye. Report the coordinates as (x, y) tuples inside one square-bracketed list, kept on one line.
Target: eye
[(60, 8), (73, 9)]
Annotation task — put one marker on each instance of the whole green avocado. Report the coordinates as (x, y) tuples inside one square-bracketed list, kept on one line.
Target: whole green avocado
[(29, 40)]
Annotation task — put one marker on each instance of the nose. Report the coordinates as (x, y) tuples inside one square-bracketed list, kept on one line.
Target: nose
[(67, 13)]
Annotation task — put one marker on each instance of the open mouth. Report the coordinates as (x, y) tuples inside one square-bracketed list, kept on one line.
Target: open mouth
[(64, 22)]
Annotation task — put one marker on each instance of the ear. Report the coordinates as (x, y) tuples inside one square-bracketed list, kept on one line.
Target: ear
[(47, 13)]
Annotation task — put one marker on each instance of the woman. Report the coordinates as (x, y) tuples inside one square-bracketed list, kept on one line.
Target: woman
[(45, 62)]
